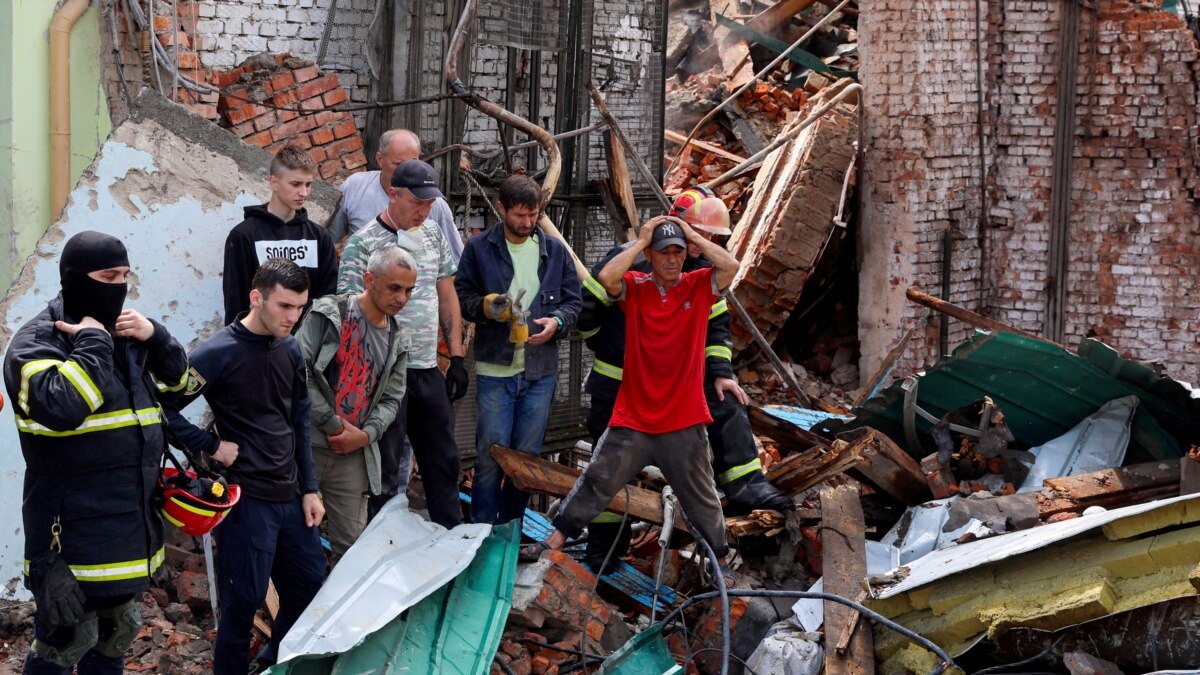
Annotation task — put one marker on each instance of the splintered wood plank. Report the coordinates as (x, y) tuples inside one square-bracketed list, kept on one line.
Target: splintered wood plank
[(678, 139), (797, 473), (1110, 487), (621, 185), (850, 644), (889, 468), (534, 474)]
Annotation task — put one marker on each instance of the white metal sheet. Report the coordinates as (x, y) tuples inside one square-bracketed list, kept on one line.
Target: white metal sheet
[(400, 559)]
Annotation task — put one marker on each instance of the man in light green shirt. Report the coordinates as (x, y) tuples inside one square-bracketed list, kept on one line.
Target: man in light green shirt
[(519, 288)]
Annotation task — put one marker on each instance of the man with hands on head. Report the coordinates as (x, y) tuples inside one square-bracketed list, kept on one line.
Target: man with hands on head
[(82, 376), (252, 375), (660, 414)]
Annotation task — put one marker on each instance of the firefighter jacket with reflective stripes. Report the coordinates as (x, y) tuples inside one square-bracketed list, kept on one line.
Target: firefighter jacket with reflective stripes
[(91, 434), (602, 324)]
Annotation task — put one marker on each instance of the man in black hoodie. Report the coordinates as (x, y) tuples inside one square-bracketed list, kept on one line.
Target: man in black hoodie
[(280, 229)]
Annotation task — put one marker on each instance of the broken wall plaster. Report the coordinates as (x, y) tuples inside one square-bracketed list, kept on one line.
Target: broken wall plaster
[(199, 179)]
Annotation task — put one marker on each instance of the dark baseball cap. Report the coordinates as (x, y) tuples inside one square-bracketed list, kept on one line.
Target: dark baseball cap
[(418, 178), (667, 234)]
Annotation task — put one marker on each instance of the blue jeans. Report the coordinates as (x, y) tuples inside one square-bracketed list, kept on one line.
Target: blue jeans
[(513, 413)]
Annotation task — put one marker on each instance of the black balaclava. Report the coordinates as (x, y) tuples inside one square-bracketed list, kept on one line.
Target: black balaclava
[(82, 295)]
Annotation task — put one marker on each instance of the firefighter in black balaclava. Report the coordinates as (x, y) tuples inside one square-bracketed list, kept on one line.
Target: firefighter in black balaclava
[(83, 376)]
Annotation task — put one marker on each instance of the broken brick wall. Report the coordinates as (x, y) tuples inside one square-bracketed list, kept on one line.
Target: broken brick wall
[(1133, 222), (920, 171), (1129, 245), (332, 33)]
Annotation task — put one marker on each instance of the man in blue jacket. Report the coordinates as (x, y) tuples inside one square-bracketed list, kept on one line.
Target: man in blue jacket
[(519, 288)]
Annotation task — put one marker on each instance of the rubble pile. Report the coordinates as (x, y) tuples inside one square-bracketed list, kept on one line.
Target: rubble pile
[(178, 628)]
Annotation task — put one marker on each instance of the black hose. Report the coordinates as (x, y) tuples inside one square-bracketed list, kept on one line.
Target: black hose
[(503, 666), (735, 657), (870, 614)]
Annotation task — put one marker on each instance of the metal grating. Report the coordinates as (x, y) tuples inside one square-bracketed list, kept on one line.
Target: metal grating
[(524, 24)]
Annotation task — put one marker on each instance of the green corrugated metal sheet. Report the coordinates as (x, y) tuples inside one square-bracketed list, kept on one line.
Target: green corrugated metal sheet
[(456, 629), (645, 654), (1044, 391)]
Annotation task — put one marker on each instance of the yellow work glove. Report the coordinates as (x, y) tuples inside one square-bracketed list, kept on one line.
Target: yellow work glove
[(497, 307)]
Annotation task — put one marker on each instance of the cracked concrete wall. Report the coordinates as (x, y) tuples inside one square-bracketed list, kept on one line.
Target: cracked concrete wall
[(171, 186)]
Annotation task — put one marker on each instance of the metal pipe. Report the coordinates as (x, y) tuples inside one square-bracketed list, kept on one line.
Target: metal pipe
[(785, 137), (60, 102), (757, 76)]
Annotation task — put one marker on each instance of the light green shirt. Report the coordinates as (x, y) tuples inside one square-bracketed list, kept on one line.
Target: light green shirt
[(525, 258)]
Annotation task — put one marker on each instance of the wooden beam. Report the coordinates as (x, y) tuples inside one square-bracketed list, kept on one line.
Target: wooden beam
[(850, 643), (621, 185), (886, 466), (780, 14), (679, 139), (534, 474), (969, 317), (1110, 487)]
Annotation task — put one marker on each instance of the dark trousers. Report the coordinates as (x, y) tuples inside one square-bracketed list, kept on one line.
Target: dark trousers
[(391, 464), (260, 541), (430, 428), (93, 662)]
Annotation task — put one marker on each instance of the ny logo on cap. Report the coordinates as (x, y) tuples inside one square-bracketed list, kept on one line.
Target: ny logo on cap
[(668, 229)]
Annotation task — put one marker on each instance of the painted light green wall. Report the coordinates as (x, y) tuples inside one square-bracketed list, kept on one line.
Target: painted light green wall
[(25, 120)]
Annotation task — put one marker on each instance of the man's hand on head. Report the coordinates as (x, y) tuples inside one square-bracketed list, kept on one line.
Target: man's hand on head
[(648, 227), (131, 324), (73, 328), (689, 233)]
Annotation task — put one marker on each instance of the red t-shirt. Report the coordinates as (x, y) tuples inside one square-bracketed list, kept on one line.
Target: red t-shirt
[(663, 386)]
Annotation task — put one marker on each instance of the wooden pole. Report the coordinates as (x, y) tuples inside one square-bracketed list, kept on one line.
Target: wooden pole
[(969, 317)]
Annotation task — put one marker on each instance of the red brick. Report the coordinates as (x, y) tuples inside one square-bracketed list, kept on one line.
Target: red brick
[(345, 129), (243, 130), (355, 160), (287, 115), (301, 142), (305, 74), (205, 110), (336, 96), (189, 59), (313, 104), (344, 147), (330, 168), (317, 154), (283, 80), (223, 79), (316, 87), (265, 121), (169, 39), (162, 23), (322, 136), (244, 113), (262, 139), (192, 590)]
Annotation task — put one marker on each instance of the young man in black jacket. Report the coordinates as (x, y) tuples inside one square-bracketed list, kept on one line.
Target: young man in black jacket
[(252, 375), (280, 229)]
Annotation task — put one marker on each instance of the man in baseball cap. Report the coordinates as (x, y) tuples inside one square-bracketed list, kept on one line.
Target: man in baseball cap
[(418, 178)]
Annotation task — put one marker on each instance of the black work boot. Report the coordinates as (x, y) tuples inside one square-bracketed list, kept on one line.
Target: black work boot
[(752, 491), (600, 540)]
